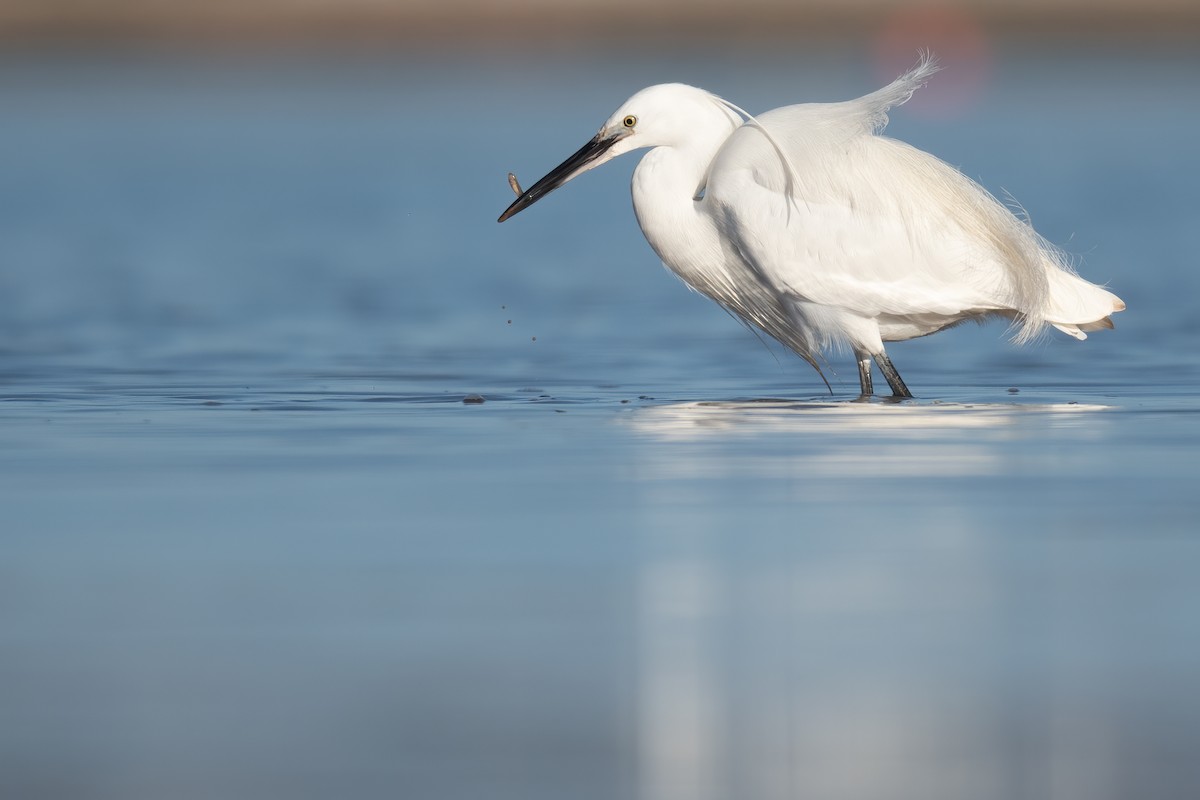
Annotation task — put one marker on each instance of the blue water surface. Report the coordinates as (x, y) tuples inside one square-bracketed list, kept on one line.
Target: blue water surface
[(256, 545)]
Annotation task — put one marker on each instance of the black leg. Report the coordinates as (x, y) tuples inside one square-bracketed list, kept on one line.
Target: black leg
[(864, 376), (890, 373)]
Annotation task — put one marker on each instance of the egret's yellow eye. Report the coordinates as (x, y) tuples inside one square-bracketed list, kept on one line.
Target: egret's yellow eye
[(629, 121)]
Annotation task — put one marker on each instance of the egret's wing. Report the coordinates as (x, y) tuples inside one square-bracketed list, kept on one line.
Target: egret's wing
[(831, 253), (831, 213)]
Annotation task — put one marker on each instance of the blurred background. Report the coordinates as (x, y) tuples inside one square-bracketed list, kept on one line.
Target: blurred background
[(460, 22), (253, 543)]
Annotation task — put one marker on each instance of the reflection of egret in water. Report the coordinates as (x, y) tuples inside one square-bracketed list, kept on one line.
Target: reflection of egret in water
[(874, 629), (836, 654), (680, 744), (851, 439), (880, 672)]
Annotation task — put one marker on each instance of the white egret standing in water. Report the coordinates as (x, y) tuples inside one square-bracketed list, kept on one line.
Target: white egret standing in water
[(808, 224)]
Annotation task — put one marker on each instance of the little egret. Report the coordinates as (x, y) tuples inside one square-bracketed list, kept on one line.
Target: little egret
[(806, 223)]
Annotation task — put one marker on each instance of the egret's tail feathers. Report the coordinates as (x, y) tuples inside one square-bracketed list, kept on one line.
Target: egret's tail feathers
[(1077, 307), (1105, 324), (900, 91), (1071, 330), (1082, 329)]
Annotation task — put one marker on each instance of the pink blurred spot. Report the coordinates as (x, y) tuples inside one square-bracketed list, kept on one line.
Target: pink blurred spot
[(957, 39)]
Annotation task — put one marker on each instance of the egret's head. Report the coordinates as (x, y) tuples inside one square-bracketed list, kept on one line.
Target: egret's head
[(666, 114)]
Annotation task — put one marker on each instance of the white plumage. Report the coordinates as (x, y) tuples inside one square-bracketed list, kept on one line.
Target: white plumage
[(807, 223)]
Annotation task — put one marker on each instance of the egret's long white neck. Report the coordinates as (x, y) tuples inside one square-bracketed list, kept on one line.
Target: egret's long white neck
[(665, 186)]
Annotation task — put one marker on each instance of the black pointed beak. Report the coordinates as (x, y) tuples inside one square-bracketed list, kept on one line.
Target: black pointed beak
[(577, 163)]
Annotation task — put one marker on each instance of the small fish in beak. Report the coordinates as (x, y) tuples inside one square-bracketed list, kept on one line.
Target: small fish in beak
[(592, 154)]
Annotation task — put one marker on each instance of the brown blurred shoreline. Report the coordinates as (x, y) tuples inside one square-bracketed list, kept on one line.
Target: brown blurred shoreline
[(561, 24)]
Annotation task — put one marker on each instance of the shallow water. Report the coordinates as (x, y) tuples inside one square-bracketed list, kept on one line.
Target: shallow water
[(256, 544)]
